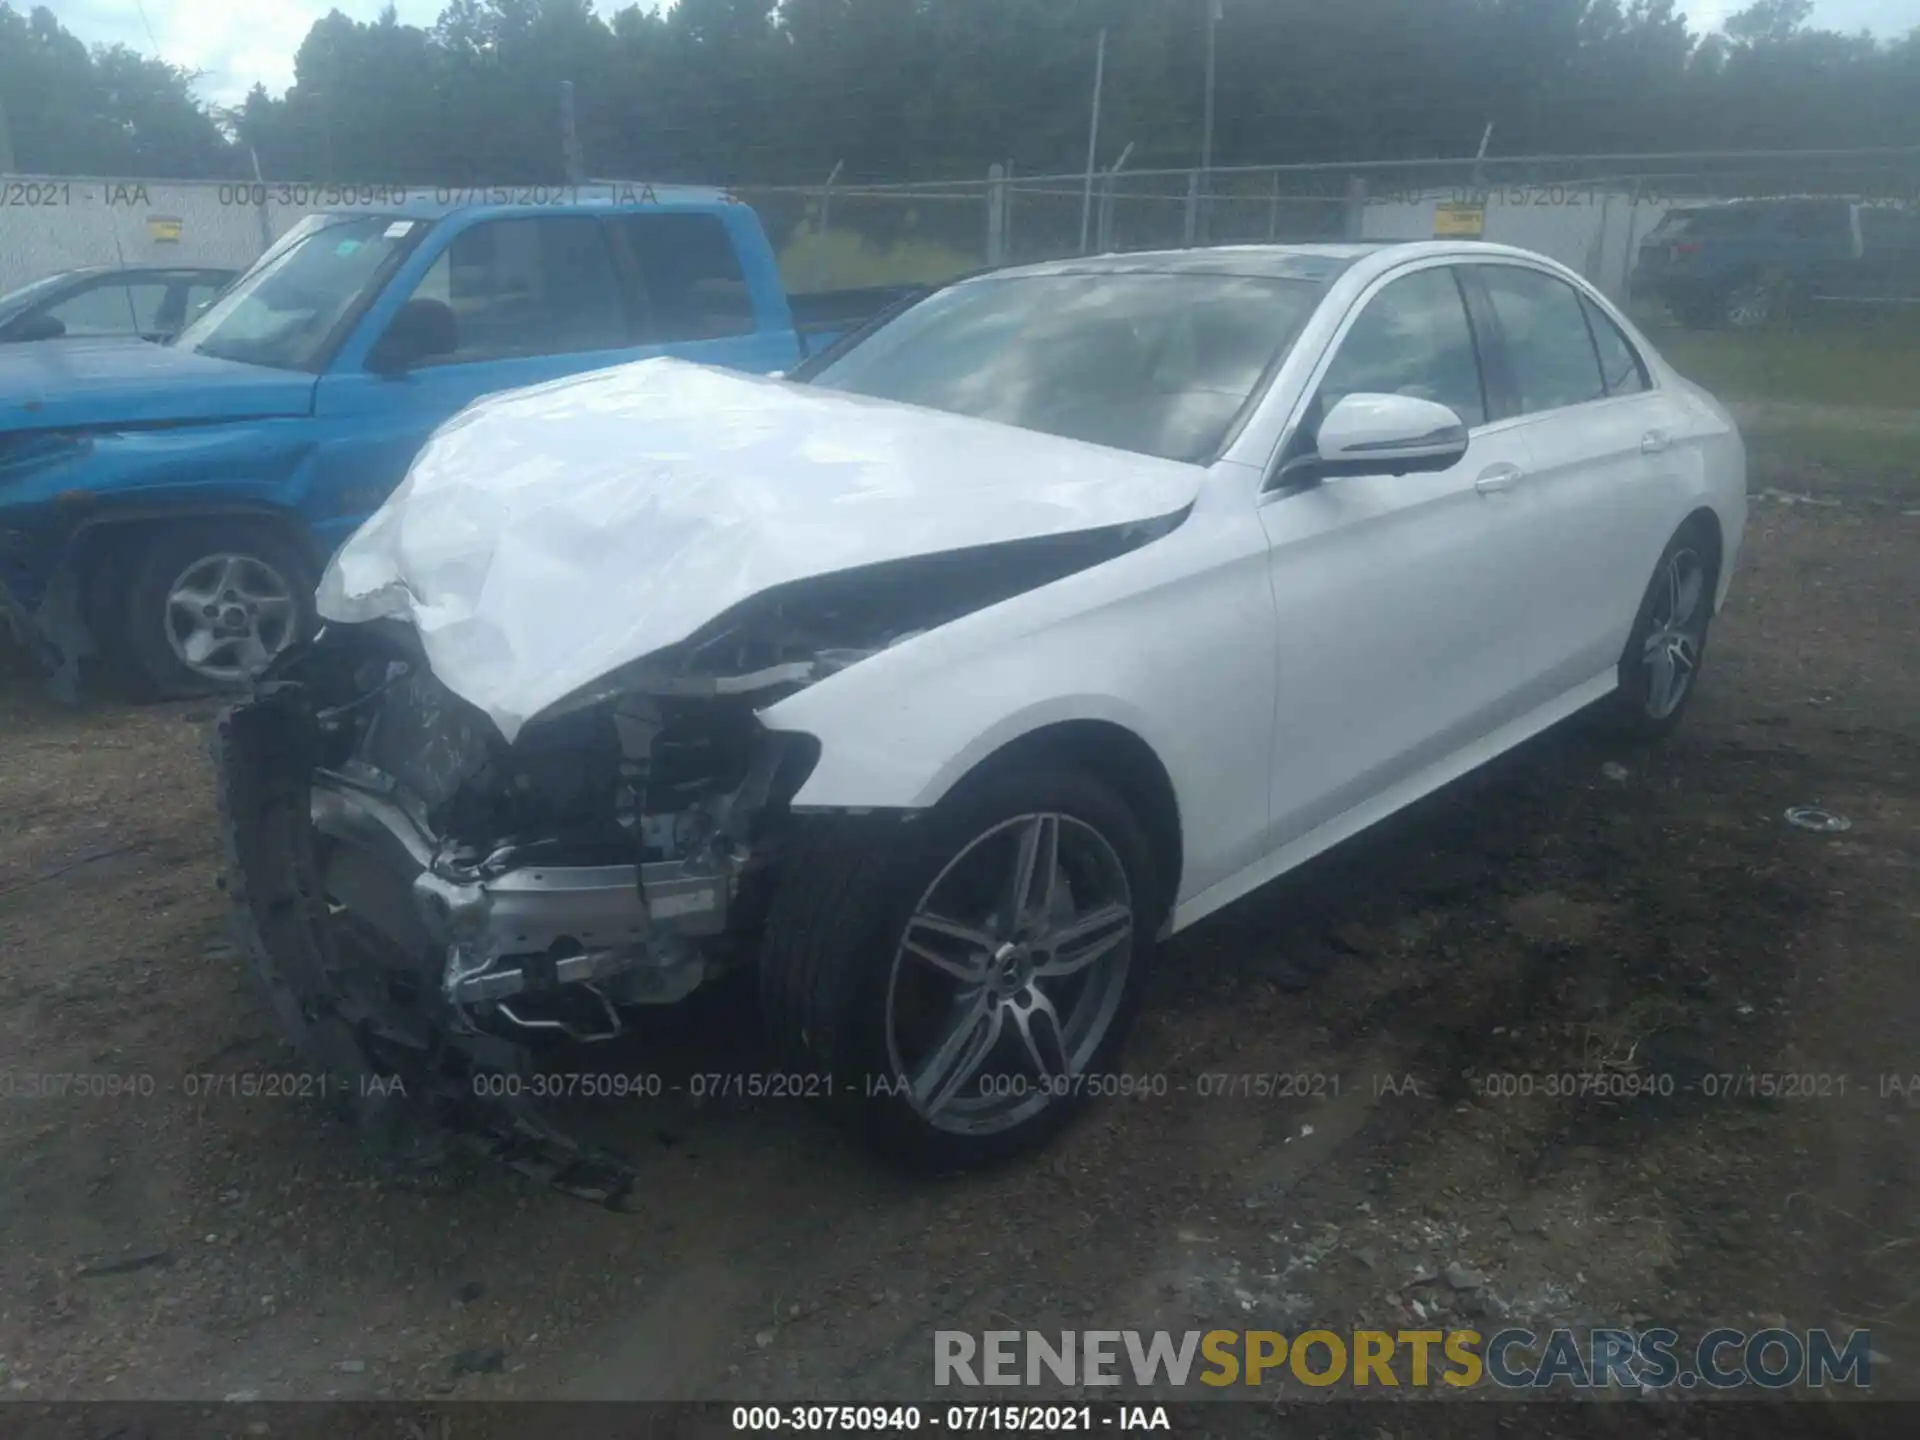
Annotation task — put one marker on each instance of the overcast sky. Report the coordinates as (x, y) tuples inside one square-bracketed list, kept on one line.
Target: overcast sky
[(236, 42)]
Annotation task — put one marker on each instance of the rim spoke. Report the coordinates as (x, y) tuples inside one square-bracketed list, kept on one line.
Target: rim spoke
[(1041, 1033), (273, 607), (260, 587), (1078, 944), (1660, 682), (1687, 597), (253, 654), (970, 966), (959, 1055), (1035, 859), (201, 646)]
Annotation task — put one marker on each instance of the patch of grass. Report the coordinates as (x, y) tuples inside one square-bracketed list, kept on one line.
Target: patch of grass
[(841, 260), (1880, 462), (1874, 363)]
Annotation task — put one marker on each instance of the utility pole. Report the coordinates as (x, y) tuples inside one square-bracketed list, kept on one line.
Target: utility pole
[(1093, 138), (7, 162), (1206, 132)]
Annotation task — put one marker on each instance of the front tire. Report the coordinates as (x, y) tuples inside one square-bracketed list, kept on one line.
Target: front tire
[(211, 603), (963, 980)]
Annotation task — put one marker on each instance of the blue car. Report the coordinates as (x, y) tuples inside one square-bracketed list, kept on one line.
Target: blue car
[(169, 507)]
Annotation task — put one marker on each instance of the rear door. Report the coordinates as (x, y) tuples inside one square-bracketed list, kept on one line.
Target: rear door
[(1601, 447), (692, 298), (1890, 254), (1403, 622)]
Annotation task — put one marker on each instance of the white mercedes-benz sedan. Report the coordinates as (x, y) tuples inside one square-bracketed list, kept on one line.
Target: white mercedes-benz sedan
[(939, 680)]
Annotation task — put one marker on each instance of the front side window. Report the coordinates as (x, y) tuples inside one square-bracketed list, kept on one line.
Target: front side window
[(289, 309), (1160, 363), (540, 286), (1413, 338), (112, 309), (1550, 351)]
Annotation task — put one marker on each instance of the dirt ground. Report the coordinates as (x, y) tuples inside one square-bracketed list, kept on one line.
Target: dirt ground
[(1549, 914)]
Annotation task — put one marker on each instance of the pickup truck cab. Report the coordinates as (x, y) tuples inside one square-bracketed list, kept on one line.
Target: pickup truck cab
[(171, 506)]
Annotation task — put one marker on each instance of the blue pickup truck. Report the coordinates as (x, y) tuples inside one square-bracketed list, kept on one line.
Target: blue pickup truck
[(169, 507)]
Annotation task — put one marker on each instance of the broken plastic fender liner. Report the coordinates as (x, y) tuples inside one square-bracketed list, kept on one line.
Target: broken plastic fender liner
[(547, 536)]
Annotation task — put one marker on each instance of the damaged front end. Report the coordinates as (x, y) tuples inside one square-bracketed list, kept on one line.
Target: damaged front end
[(428, 903)]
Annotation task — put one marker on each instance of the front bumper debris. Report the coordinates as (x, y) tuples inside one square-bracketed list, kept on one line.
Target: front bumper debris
[(516, 929), (408, 1077)]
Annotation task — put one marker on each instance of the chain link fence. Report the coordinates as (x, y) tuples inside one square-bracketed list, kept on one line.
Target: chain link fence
[(1590, 212)]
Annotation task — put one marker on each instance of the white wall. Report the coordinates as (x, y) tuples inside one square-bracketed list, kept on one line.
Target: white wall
[(1586, 230), (50, 223)]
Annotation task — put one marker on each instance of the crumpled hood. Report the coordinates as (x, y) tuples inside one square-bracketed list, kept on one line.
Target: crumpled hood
[(549, 535), (89, 383)]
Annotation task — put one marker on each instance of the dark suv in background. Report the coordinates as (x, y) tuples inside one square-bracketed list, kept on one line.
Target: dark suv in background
[(1740, 263)]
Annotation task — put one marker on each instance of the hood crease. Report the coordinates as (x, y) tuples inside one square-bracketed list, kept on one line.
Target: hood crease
[(547, 536)]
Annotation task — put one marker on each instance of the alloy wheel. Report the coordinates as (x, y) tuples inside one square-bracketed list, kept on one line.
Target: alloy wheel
[(1009, 973), (228, 615), (1676, 633)]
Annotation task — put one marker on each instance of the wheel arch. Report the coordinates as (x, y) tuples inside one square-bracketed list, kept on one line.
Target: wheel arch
[(1120, 758), (1705, 521), (103, 547)]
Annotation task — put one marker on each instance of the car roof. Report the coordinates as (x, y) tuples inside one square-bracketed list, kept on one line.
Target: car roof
[(510, 202), (1276, 262)]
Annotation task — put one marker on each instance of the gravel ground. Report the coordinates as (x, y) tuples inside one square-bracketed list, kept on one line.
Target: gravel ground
[(1568, 908)]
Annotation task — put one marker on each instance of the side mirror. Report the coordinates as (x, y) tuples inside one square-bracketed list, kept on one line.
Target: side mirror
[(420, 331), (44, 326), (1385, 435)]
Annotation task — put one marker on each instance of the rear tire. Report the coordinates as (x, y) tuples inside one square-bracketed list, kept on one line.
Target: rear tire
[(233, 593), (940, 1055), (1659, 669)]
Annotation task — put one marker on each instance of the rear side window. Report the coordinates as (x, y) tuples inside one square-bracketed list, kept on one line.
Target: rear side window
[(1815, 222), (1620, 364), (1550, 351), (691, 286)]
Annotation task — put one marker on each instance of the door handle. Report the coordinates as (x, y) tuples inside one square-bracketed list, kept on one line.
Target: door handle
[(1497, 478), (1653, 442)]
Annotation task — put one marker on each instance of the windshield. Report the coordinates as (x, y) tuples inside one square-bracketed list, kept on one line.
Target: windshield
[(1161, 364), (286, 310)]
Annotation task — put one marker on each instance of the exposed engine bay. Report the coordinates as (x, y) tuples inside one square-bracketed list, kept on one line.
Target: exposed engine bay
[(431, 901)]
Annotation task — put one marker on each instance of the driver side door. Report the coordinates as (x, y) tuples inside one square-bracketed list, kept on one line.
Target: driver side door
[(1397, 600)]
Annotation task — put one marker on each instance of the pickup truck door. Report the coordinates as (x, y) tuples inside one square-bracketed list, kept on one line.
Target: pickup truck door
[(534, 298)]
